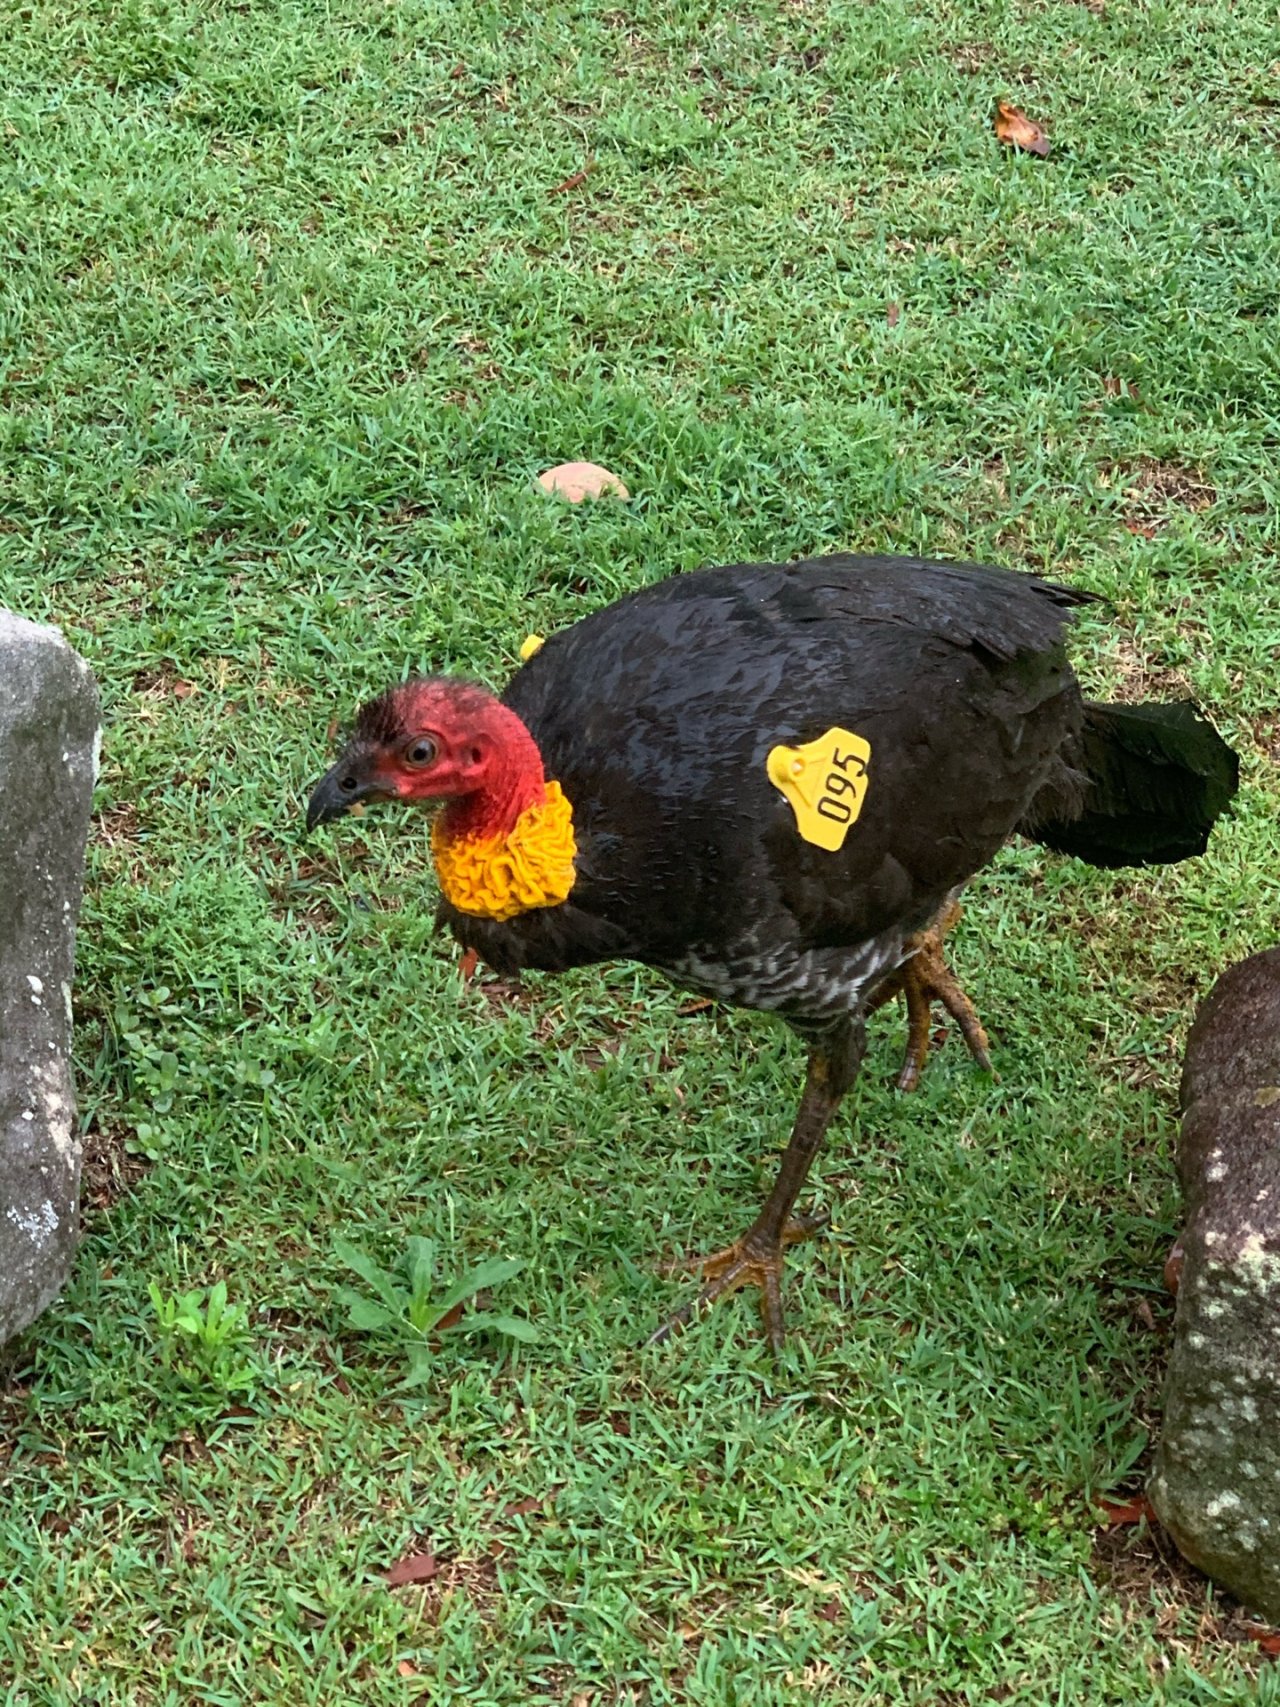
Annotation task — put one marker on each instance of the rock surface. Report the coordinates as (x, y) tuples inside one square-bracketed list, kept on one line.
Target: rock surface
[(48, 755), (1216, 1485)]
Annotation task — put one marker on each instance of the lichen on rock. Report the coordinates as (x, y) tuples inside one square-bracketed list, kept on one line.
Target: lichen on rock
[(48, 756), (1216, 1483)]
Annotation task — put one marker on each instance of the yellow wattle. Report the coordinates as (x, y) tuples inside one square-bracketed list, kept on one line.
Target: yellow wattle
[(531, 865)]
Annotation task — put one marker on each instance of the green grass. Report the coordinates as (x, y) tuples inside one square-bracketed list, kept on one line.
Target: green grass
[(290, 321)]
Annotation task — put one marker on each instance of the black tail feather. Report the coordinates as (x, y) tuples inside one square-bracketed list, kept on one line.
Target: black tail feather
[(1156, 778)]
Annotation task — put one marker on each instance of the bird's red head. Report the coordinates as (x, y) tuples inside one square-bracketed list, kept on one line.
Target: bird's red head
[(434, 738)]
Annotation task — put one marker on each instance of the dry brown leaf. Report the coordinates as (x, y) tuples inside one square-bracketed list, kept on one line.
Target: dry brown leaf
[(1267, 1640), (522, 1508), (1173, 1267), (893, 314), (596, 1054), (413, 1568), (406, 1668), (574, 181), (502, 993), (1146, 1316), (1016, 130), (1116, 1513)]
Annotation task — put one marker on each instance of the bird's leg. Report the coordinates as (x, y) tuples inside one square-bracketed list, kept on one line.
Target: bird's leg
[(755, 1259), (922, 980)]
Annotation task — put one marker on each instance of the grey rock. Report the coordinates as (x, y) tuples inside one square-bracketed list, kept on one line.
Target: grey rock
[(48, 759), (1216, 1483)]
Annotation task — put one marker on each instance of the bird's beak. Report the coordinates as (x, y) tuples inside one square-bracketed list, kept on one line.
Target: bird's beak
[(338, 790)]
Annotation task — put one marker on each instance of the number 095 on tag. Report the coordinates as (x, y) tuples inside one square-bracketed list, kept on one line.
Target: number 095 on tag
[(825, 782)]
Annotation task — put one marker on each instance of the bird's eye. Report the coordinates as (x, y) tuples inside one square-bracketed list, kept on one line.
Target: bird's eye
[(420, 752)]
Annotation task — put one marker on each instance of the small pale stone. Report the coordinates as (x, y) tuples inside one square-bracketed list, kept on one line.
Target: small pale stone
[(575, 481)]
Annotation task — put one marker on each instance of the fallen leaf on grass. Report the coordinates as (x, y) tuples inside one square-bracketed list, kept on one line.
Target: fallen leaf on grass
[(1116, 1513), (893, 314), (831, 1611), (522, 1508), (1267, 1640), (698, 1005), (500, 993), (450, 1319), (406, 1668), (1146, 1316), (413, 1568), (1016, 130), (1173, 1267), (574, 181), (595, 1055)]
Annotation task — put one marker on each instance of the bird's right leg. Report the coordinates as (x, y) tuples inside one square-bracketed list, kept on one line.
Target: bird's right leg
[(835, 1054), (926, 978)]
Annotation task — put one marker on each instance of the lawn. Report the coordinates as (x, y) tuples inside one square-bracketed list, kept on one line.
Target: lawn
[(293, 311)]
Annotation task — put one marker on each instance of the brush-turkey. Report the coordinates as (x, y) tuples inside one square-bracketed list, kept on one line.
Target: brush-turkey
[(770, 782)]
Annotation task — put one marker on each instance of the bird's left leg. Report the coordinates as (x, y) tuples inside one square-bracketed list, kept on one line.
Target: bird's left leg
[(835, 1054), (922, 980)]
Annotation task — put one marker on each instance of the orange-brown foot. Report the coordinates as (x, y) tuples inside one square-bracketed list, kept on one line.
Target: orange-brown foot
[(924, 979), (753, 1260)]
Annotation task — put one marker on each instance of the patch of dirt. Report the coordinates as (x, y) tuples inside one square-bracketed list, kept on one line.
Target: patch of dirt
[(161, 682), (13, 1400), (971, 57), (306, 891), (1142, 676), (499, 993), (475, 1577), (117, 824), (1154, 490), (1266, 735), (107, 1170), (1143, 1569), (595, 1054)]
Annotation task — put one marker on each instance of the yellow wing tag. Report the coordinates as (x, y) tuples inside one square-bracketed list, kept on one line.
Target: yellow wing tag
[(825, 783)]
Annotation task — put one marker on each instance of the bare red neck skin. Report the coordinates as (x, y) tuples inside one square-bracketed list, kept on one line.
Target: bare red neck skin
[(514, 781)]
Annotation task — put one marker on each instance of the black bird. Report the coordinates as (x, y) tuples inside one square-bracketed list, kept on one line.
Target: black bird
[(770, 781)]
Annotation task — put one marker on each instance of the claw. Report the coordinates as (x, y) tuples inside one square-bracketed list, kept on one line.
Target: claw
[(924, 979), (749, 1261)]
